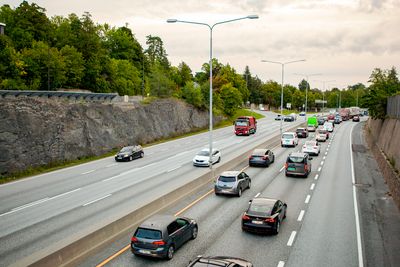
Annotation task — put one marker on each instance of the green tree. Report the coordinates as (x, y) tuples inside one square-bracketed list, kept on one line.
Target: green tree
[(231, 98), (12, 68), (156, 51), (303, 85), (74, 66), (191, 93), (124, 77)]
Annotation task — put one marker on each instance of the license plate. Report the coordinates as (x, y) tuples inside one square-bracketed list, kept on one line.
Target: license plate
[(257, 222), (291, 169), (143, 251)]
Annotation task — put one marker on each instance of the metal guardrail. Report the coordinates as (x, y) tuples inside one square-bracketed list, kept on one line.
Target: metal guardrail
[(393, 107), (59, 94)]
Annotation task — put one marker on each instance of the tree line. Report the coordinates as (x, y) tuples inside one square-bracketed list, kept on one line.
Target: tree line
[(41, 53)]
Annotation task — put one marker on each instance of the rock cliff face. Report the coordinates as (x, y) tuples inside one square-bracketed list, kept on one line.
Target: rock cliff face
[(36, 131)]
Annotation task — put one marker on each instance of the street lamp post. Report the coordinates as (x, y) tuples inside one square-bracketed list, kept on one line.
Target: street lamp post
[(283, 74), (308, 85), (211, 27)]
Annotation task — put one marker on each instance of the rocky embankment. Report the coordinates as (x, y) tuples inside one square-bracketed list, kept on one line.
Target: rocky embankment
[(35, 131)]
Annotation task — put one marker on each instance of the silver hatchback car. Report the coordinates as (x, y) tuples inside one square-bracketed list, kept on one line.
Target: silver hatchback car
[(232, 183)]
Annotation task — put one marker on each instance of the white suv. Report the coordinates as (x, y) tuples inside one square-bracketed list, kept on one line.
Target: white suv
[(289, 139)]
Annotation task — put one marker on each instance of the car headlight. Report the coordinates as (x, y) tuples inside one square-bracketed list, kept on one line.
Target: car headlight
[(126, 155)]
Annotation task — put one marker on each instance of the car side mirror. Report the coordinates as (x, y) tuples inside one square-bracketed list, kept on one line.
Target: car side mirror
[(250, 201)]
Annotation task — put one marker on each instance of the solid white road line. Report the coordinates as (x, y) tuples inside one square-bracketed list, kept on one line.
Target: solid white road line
[(291, 238), (171, 170), (281, 264), (316, 177), (359, 246), (319, 169), (88, 172), (93, 201), (282, 168), (300, 218), (312, 186), (257, 195), (307, 199)]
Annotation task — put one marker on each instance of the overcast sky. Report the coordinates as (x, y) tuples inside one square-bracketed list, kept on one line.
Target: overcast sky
[(344, 40)]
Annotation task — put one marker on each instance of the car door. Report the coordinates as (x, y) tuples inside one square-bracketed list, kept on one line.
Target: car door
[(175, 234), (280, 210), (215, 156), (185, 229)]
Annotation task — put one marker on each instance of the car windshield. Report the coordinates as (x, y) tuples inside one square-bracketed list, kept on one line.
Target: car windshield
[(241, 123), (292, 159), (227, 179), (125, 149), (287, 136), (203, 153), (148, 233)]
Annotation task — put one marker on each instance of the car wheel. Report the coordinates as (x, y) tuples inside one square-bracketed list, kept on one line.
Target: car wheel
[(276, 227), (195, 232), (239, 194), (273, 158), (284, 215), (249, 185), (142, 154), (170, 252), (130, 158), (219, 159)]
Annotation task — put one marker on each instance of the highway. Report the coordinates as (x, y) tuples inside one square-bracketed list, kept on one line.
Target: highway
[(54, 209), (320, 228)]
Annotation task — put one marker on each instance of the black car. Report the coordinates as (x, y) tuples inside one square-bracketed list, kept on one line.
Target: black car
[(321, 120), (160, 235), (264, 215), (288, 118), (278, 117), (261, 157), (221, 261), (129, 153), (302, 132), (298, 163)]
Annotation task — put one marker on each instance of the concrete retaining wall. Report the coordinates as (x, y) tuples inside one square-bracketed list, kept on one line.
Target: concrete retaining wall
[(71, 254), (383, 138)]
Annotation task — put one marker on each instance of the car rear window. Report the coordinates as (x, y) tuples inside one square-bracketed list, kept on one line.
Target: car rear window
[(292, 159), (227, 178), (287, 136), (310, 143), (300, 130), (148, 233), (261, 208)]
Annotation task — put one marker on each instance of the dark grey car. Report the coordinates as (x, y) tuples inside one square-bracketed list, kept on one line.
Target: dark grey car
[(160, 235), (261, 157), (298, 163), (232, 183), (129, 153)]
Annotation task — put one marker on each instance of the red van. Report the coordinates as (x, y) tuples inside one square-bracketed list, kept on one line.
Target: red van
[(245, 125)]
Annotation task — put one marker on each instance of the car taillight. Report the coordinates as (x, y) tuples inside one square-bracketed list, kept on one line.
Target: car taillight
[(304, 146), (265, 157), (315, 147), (245, 217), (134, 239), (159, 243), (286, 165), (250, 157), (270, 220), (305, 167)]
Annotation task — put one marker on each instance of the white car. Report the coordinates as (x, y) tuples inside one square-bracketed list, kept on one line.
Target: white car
[(289, 139), (322, 135), (328, 126), (203, 156), (311, 128), (311, 148)]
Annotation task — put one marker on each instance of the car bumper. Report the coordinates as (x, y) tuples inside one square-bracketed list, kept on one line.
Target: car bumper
[(225, 191), (201, 164), (258, 163), (121, 159), (295, 173), (257, 228), (311, 152), (160, 252)]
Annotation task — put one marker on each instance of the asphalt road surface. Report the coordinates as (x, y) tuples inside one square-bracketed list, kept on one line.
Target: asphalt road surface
[(320, 228), (53, 209)]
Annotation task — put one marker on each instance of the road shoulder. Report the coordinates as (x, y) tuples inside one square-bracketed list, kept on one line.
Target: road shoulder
[(379, 216)]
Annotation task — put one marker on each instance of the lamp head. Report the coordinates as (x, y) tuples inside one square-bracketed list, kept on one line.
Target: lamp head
[(252, 16)]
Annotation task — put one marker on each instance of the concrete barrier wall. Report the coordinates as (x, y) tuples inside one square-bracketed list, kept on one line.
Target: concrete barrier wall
[(383, 138), (71, 254)]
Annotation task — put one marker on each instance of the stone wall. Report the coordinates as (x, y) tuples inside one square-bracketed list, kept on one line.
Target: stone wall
[(383, 137), (35, 131)]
